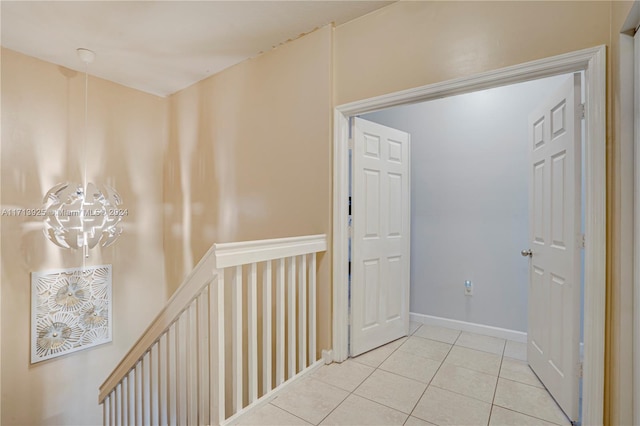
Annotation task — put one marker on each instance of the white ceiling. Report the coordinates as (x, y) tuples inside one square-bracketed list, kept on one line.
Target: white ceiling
[(161, 47)]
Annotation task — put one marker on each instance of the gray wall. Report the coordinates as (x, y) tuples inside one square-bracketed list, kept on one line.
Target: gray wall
[(469, 212)]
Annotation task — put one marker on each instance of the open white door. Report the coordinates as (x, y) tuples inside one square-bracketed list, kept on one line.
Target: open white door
[(380, 239), (554, 276)]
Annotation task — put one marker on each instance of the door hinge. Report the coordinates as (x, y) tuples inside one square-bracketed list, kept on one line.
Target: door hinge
[(350, 143), (580, 369), (582, 241), (582, 111)]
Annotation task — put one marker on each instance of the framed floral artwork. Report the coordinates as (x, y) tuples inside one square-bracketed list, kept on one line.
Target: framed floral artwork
[(70, 310)]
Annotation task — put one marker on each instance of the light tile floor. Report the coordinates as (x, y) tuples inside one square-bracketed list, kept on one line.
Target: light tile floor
[(435, 376)]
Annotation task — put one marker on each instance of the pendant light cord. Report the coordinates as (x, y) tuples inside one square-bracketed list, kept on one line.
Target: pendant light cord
[(85, 249), (86, 127)]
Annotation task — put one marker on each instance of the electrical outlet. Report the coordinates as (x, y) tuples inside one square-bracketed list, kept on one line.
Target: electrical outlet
[(468, 288)]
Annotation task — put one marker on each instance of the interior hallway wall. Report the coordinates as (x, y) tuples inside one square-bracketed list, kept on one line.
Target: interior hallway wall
[(470, 201), (42, 137), (249, 158), (411, 44)]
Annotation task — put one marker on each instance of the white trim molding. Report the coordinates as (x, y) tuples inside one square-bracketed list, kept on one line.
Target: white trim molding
[(471, 327), (340, 237), (593, 62), (192, 325), (633, 21), (245, 252)]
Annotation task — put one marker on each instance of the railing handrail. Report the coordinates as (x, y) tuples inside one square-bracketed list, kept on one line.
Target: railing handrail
[(220, 255), (240, 253), (203, 273)]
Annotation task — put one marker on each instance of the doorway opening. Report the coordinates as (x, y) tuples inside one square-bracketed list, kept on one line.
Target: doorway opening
[(591, 61), (470, 220)]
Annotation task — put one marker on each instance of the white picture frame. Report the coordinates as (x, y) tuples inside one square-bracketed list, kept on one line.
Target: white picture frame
[(70, 310)]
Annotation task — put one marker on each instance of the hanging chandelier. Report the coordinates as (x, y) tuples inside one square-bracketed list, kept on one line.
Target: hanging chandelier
[(81, 215)]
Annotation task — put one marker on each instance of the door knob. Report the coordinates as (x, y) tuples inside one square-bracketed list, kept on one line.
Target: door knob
[(526, 253)]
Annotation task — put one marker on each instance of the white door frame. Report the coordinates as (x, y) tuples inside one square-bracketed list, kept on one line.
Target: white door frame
[(629, 143), (630, 128), (593, 62), (636, 224)]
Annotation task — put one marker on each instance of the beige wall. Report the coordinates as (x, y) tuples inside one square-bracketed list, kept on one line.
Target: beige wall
[(410, 44), (249, 158), (42, 128)]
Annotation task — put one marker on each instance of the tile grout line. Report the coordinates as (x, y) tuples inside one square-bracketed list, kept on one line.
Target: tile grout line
[(526, 414), (518, 382), (504, 348), (434, 375), (360, 384), (304, 420), (438, 369), (398, 375), (409, 416), (428, 384), (461, 394), (286, 411)]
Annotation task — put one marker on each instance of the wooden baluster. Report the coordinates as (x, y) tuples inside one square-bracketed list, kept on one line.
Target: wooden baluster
[(154, 384), (236, 335), (106, 411), (192, 364), (112, 408), (175, 371), (280, 312), (118, 402), (312, 308), (142, 391), (252, 332), (291, 317), (163, 380), (203, 337), (181, 369), (302, 313), (266, 328), (187, 365), (137, 394), (131, 399), (217, 346), (146, 388), (123, 401), (172, 371)]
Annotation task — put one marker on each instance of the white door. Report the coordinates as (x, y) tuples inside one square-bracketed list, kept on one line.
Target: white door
[(554, 280), (380, 239)]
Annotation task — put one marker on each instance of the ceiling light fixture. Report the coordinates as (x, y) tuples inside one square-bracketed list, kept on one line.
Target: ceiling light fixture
[(81, 215)]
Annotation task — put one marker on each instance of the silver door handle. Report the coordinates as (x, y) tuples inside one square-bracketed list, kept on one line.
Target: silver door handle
[(526, 253)]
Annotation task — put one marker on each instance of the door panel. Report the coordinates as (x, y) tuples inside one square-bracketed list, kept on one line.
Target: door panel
[(380, 242), (554, 285)]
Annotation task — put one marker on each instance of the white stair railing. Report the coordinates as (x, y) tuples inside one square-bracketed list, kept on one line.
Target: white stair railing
[(214, 349)]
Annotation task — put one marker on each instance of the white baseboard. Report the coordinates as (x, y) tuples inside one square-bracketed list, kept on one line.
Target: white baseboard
[(327, 356), (487, 330)]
